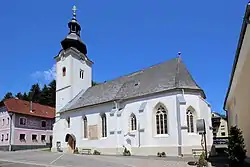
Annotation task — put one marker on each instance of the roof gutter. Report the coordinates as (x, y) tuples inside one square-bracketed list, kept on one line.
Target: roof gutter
[(241, 38)]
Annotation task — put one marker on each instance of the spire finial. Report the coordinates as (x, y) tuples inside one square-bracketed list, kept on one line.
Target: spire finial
[(74, 11), (179, 53)]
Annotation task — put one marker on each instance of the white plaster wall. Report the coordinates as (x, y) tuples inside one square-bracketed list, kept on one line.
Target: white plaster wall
[(63, 83), (67, 87), (76, 127), (205, 111), (77, 83), (115, 123)]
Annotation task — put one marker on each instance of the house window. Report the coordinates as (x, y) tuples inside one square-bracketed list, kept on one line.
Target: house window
[(8, 121), (68, 122), (190, 120), (223, 134), (7, 136), (3, 122), (104, 125), (222, 126), (2, 137), (81, 73), (85, 126), (43, 138), (34, 138), (161, 120), (22, 137), (43, 124), (22, 121), (64, 71), (133, 122)]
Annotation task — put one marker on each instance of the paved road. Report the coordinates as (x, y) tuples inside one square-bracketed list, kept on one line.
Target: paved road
[(48, 159)]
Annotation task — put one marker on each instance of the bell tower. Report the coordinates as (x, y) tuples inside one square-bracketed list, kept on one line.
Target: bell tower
[(73, 67)]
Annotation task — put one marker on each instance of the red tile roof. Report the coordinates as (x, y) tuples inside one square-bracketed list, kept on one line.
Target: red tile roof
[(23, 107)]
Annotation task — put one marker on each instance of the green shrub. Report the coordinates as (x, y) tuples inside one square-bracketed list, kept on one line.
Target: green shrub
[(96, 152), (76, 151), (236, 147), (126, 152), (163, 154), (202, 160)]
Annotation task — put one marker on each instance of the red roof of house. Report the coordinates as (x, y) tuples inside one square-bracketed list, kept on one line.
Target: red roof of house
[(23, 107)]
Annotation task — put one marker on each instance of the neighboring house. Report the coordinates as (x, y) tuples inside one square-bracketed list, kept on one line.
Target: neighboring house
[(237, 98), (220, 127), (149, 111), (25, 125)]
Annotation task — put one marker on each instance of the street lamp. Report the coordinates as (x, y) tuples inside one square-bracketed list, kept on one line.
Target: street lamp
[(10, 136)]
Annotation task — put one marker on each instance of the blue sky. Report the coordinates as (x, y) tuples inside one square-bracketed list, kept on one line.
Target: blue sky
[(122, 37)]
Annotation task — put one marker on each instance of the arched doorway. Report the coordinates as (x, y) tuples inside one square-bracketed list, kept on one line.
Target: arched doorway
[(71, 140)]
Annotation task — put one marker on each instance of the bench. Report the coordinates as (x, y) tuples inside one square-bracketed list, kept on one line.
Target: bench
[(197, 152), (85, 151)]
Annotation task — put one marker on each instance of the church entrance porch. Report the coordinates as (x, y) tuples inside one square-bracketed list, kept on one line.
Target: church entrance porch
[(71, 142)]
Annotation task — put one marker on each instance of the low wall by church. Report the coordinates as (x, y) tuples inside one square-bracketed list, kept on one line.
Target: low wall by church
[(147, 151)]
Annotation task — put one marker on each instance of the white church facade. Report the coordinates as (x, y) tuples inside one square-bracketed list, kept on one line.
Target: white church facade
[(149, 111)]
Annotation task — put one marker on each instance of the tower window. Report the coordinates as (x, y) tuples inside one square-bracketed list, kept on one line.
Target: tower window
[(64, 71), (81, 73)]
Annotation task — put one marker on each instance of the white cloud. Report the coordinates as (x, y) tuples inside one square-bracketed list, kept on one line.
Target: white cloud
[(47, 75)]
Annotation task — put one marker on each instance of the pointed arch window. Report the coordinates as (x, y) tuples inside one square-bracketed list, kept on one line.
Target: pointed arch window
[(190, 120), (64, 71), (85, 127), (104, 125), (161, 120), (133, 124)]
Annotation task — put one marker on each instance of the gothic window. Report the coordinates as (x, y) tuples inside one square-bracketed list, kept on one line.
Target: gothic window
[(190, 120), (104, 125), (161, 120), (85, 126), (133, 122), (64, 71), (68, 122)]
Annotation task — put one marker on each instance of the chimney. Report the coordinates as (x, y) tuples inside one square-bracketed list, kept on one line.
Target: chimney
[(31, 108)]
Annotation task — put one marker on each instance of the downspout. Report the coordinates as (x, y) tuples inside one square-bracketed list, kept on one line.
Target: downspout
[(179, 124), (116, 129)]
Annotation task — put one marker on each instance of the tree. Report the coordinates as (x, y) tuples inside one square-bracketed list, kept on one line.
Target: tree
[(8, 95), (236, 147), (25, 97), (19, 95), (52, 94), (35, 93), (44, 96), (94, 83)]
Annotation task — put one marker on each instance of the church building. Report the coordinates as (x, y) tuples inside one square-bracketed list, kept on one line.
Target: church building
[(148, 111)]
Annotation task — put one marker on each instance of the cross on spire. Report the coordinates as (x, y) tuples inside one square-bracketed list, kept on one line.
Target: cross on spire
[(74, 11)]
